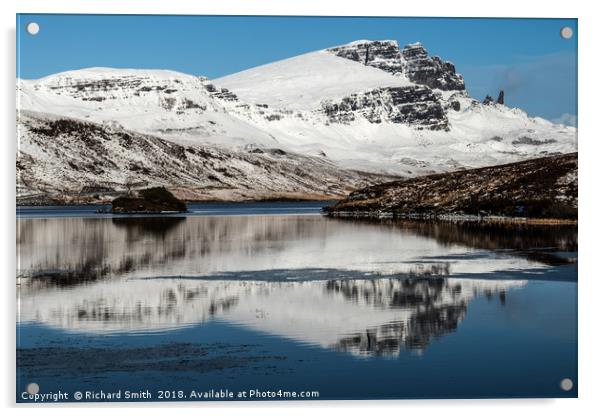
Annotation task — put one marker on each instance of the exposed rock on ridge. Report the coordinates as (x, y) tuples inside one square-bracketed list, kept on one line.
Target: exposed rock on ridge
[(413, 62), (418, 106), (383, 55), (431, 71)]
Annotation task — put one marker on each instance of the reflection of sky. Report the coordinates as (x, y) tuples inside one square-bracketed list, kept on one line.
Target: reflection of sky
[(315, 312), (527, 57), (498, 350)]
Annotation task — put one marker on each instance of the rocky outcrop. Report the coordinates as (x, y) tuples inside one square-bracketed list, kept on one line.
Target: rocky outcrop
[(383, 55), (489, 99), (413, 61), (430, 71), (418, 106), (500, 97), (544, 188), (219, 93)]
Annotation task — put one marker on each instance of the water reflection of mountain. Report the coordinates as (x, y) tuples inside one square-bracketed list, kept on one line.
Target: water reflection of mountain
[(438, 306), (69, 251), (415, 334), (534, 241), (361, 317), (359, 287)]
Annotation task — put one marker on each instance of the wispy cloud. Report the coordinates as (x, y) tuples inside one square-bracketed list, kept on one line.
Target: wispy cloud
[(566, 119), (542, 85)]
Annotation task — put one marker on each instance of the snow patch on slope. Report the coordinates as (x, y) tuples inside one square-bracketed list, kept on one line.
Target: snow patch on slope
[(168, 103), (304, 81)]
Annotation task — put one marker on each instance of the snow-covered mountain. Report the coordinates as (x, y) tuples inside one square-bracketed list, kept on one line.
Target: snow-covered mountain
[(67, 160), (368, 106)]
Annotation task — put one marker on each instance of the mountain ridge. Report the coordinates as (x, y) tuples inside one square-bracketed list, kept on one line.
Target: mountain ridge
[(412, 118)]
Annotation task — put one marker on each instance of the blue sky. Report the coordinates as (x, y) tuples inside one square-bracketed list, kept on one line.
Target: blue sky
[(526, 57)]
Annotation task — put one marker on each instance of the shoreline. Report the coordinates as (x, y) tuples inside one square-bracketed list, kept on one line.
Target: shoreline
[(456, 218), (201, 201), (49, 202)]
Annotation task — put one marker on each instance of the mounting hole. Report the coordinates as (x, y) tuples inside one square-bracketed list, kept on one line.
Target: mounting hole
[(32, 28), (566, 384), (566, 32), (32, 388)]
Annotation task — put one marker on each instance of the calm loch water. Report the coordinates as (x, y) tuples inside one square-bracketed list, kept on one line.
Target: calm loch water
[(274, 297)]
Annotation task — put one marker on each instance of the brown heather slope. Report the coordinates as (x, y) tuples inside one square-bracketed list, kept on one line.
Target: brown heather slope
[(544, 188)]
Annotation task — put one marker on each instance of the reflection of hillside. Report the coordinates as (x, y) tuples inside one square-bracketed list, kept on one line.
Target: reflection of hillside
[(62, 252), (68, 251), (362, 317), (124, 244), (499, 236), (82, 255), (535, 242)]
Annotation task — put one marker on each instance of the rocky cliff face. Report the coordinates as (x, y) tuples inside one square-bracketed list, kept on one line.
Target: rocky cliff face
[(431, 70), (544, 188), (413, 62), (383, 55), (418, 106), (102, 87)]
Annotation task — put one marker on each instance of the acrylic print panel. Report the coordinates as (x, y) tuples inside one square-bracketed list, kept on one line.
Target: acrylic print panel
[(295, 208)]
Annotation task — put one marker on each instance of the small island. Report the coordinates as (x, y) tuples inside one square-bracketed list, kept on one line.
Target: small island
[(157, 200)]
